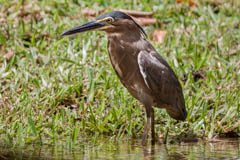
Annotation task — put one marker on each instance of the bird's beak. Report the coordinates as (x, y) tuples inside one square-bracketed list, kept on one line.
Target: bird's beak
[(85, 27)]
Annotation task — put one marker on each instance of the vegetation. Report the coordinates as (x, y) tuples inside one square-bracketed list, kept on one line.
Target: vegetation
[(56, 88)]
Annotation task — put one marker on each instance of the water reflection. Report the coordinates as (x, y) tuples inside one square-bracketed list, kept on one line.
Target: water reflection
[(126, 149)]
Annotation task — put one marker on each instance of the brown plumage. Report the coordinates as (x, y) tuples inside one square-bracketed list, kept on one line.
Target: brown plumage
[(145, 74)]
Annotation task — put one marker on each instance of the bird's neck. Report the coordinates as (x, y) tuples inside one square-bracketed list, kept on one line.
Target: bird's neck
[(127, 36)]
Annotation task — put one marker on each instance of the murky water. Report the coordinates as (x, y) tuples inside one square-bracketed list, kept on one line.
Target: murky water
[(128, 149)]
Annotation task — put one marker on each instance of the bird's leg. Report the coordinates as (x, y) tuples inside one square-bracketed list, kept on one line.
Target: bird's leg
[(152, 126), (147, 126)]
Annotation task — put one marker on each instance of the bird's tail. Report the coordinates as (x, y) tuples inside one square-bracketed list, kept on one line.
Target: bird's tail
[(178, 110)]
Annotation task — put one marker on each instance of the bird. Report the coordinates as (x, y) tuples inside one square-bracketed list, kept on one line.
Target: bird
[(141, 69)]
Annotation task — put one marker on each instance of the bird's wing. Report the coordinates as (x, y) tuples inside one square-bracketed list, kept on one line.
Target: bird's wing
[(162, 81)]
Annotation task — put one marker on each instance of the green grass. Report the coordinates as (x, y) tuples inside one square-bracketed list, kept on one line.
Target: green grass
[(54, 87)]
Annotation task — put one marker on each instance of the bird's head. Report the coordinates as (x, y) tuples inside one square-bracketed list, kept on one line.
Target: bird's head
[(112, 23)]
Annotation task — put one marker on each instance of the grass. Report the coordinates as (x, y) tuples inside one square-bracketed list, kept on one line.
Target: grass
[(53, 87)]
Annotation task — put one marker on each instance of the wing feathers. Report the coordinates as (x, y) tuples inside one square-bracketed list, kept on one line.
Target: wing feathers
[(162, 81)]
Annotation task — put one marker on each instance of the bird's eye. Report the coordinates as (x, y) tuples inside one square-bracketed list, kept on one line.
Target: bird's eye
[(110, 20)]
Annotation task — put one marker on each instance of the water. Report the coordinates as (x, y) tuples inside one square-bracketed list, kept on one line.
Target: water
[(107, 149)]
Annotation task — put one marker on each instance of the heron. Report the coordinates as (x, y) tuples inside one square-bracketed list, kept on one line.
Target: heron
[(140, 68)]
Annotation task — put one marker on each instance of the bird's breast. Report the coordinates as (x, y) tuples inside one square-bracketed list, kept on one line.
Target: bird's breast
[(124, 61)]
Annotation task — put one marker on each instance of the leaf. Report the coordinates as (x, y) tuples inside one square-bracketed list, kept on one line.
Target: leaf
[(180, 1), (32, 126), (74, 134), (190, 2), (159, 35), (9, 55)]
